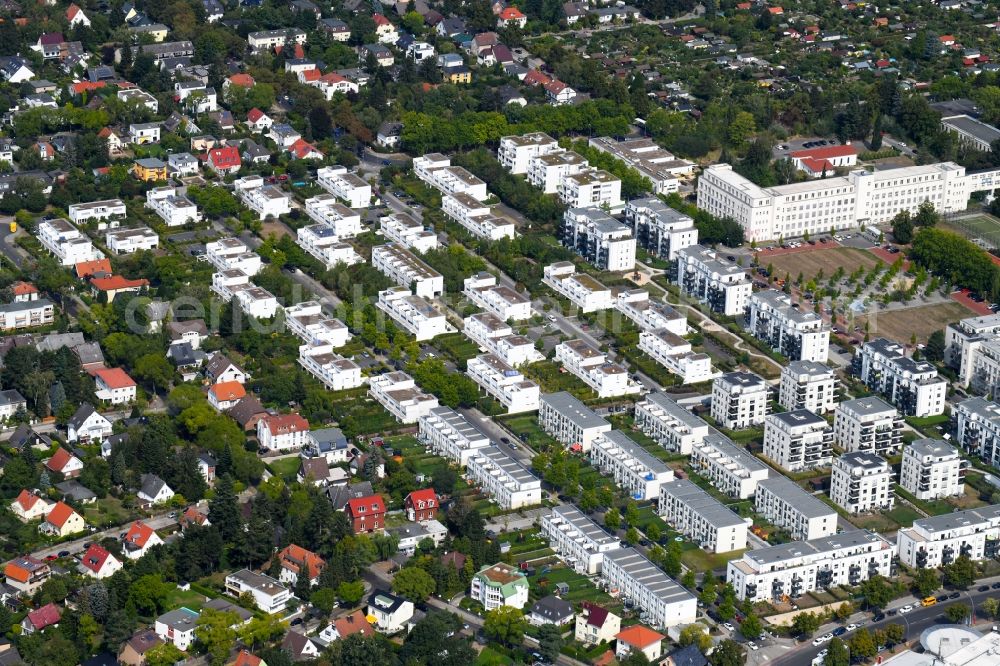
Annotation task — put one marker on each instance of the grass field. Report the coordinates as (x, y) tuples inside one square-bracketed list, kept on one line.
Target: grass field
[(490, 657), (983, 227), (526, 426), (810, 262), (187, 598), (900, 325), (286, 468)]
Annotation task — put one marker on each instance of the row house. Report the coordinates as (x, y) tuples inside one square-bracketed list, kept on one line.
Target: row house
[(334, 371), (565, 418), (436, 170), (127, 241), (266, 200), (482, 289), (785, 504), (174, 209), (732, 470), (447, 433), (408, 232), (508, 483), (581, 289), (507, 385), (476, 217), (231, 254), (677, 355), (66, 242), (577, 540), (607, 379), (322, 242), (406, 269), (497, 338), (81, 213), (326, 209), (413, 313), (350, 188), (401, 397), (634, 469), (307, 321), (712, 526), (668, 424)]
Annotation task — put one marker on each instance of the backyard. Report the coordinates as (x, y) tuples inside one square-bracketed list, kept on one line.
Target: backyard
[(921, 321), (812, 261)]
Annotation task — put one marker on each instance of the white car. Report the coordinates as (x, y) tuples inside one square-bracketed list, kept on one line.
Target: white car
[(827, 637), (753, 646), (729, 626), (817, 641), (905, 609), (852, 627)]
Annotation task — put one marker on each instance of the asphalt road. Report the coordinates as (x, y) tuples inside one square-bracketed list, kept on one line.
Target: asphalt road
[(76, 546)]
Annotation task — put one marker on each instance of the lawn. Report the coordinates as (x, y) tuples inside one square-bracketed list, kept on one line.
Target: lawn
[(903, 514), (286, 468), (552, 378), (984, 227), (490, 657), (526, 427), (812, 261), (457, 346), (187, 598), (700, 560), (900, 325), (106, 513), (580, 587)]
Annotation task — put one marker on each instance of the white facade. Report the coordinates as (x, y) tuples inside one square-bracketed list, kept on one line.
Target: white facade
[(322, 242), (408, 232), (66, 242), (661, 167), (436, 170), (700, 517), (268, 39), (650, 315), (265, 200), (939, 540), (504, 302), (634, 469), (581, 289), (798, 334), (507, 385), (720, 284), (499, 585), (663, 602), (401, 397), (127, 241), (819, 205), (477, 218), (739, 400), (175, 210), (798, 440), (931, 469), (450, 434), (861, 482), (868, 424), (82, 213), (307, 321), (177, 627), (593, 187), (972, 348), (253, 300), (496, 337), (334, 371), (283, 432), (578, 540), (228, 254), (595, 370), (405, 269), (914, 387), (808, 385), (546, 171), (731, 469), (598, 238), (568, 420), (269, 595), (675, 354), (325, 209), (515, 152), (978, 430), (413, 313), (668, 424), (508, 483), (793, 569), (788, 506), (349, 187)]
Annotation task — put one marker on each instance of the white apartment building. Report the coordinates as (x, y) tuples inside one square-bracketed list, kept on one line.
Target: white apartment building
[(868, 424), (265, 200), (507, 385), (349, 187), (413, 313), (399, 394), (265, 40), (496, 337), (322, 242), (799, 567), (660, 229), (498, 585), (26, 314), (581, 289), (798, 440), (668, 424), (731, 469), (675, 354), (406, 269), (971, 132), (633, 468), (507, 304), (547, 171), (515, 152), (940, 540), (269, 595), (808, 385), (660, 166), (435, 169), (650, 315), (663, 601), (914, 387), (326, 209), (787, 505), (739, 400), (81, 213), (408, 232), (334, 371), (66, 242), (569, 421), (127, 241), (700, 517), (599, 238), (508, 483), (174, 209), (590, 365), (716, 282), (307, 321), (978, 430), (576, 539), (476, 217), (861, 482), (972, 348), (817, 206), (931, 469), (447, 433), (591, 188), (229, 254), (253, 300), (799, 335)]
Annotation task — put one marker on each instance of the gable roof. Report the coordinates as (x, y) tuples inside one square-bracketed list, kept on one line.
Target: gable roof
[(95, 557), (224, 157), (139, 534), (242, 79), (639, 636), (59, 460), (355, 623), (152, 485), (246, 658), (114, 378), (227, 391), (59, 514), (27, 499), (255, 114), (355, 505), (596, 615), (85, 269), (117, 282), (425, 495), (246, 409), (295, 557), (45, 616), (280, 424)]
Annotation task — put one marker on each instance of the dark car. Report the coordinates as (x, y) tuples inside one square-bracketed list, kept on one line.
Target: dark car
[(983, 588), (839, 631), (296, 622), (995, 586), (892, 611), (954, 595), (505, 440), (942, 597), (878, 617), (63, 553)]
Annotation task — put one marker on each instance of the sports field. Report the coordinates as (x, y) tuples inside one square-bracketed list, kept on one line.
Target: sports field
[(899, 325), (810, 262), (982, 227)]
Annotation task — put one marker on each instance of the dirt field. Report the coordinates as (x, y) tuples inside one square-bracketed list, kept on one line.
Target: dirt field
[(901, 324), (809, 262), (277, 228)]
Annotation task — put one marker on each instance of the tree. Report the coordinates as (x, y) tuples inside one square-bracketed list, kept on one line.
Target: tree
[(215, 633), (435, 631), (550, 642), (414, 583), (806, 623), (934, 351), (961, 573), (876, 142), (751, 626), (990, 608), (148, 594), (696, 635), (862, 644), (612, 519), (223, 508), (957, 613), (260, 630), (351, 592), (902, 227), (925, 582), (727, 653), (877, 592), (838, 654), (844, 610), (164, 654), (894, 633), (506, 625)]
